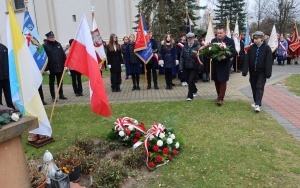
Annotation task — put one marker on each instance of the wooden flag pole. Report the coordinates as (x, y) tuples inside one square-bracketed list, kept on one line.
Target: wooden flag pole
[(56, 94), (210, 61), (236, 61)]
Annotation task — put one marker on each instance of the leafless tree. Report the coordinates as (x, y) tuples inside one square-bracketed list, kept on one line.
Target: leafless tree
[(260, 11)]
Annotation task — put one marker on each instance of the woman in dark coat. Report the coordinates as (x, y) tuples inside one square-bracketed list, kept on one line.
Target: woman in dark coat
[(114, 59), (134, 63), (123, 50), (168, 55)]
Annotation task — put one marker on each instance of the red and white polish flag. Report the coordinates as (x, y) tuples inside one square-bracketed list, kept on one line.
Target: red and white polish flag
[(82, 58)]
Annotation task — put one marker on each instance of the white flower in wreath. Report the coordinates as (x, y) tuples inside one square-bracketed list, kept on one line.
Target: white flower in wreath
[(169, 140), (162, 135), (177, 145), (172, 136), (209, 48), (160, 143), (15, 117), (126, 138), (121, 133), (151, 137), (130, 127)]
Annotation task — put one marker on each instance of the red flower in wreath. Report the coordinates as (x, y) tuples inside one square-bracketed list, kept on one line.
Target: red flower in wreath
[(135, 140), (155, 148), (166, 151), (174, 152), (138, 134), (127, 132), (159, 158), (151, 164), (169, 158)]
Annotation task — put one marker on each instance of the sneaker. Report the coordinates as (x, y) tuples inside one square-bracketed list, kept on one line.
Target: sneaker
[(194, 94), (189, 99), (257, 108), (253, 105), (185, 84)]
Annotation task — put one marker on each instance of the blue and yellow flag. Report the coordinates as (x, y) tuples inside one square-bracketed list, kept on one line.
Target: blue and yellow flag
[(32, 40), (25, 76)]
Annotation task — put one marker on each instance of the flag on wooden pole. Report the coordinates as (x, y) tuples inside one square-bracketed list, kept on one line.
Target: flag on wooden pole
[(273, 40)]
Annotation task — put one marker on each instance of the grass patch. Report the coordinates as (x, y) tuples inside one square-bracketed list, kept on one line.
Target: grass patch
[(68, 79), (228, 146), (292, 84)]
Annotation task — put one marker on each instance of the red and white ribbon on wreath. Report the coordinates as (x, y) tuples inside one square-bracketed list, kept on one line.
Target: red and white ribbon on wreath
[(155, 130), (120, 124)]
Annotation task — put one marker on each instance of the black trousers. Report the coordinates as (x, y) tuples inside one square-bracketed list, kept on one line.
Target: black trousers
[(257, 81), (191, 76), (115, 80), (76, 82), (5, 86), (58, 76), (151, 70), (41, 92), (168, 76)]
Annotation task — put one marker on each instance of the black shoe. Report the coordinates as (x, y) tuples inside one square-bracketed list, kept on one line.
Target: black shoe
[(114, 90), (156, 87), (133, 88), (172, 84), (138, 88), (44, 103), (148, 87), (80, 94), (62, 97), (53, 99), (118, 90)]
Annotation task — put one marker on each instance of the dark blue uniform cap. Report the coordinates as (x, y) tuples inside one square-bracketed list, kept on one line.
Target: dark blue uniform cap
[(50, 34)]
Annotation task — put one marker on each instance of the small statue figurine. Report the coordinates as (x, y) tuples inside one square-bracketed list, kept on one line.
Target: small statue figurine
[(49, 166)]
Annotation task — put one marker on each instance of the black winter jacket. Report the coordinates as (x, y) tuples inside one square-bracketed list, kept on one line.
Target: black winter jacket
[(114, 58), (188, 57), (4, 71), (264, 61), (56, 56)]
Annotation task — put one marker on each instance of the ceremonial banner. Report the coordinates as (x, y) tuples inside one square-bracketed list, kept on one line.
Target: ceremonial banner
[(295, 43), (236, 37), (228, 34), (98, 43), (32, 39), (210, 32), (273, 40), (143, 47), (247, 39), (25, 76), (82, 58)]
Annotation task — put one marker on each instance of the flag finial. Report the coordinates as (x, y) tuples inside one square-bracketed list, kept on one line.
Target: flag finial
[(92, 8), (26, 5)]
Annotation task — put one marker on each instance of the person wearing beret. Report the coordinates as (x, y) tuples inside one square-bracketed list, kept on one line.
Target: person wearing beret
[(259, 64), (221, 69), (56, 63)]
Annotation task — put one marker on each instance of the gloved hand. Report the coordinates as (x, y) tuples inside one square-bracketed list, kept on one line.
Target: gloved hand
[(161, 62), (177, 62), (109, 66)]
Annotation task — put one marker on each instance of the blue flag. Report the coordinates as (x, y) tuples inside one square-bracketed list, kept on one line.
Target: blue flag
[(32, 40), (143, 47), (247, 37)]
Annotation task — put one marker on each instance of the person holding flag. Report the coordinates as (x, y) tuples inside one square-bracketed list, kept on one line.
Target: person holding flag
[(134, 63), (56, 63), (152, 65)]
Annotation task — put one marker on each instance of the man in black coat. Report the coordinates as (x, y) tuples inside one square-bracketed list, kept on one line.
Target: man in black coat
[(221, 69), (4, 77), (56, 63), (189, 64), (259, 62)]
